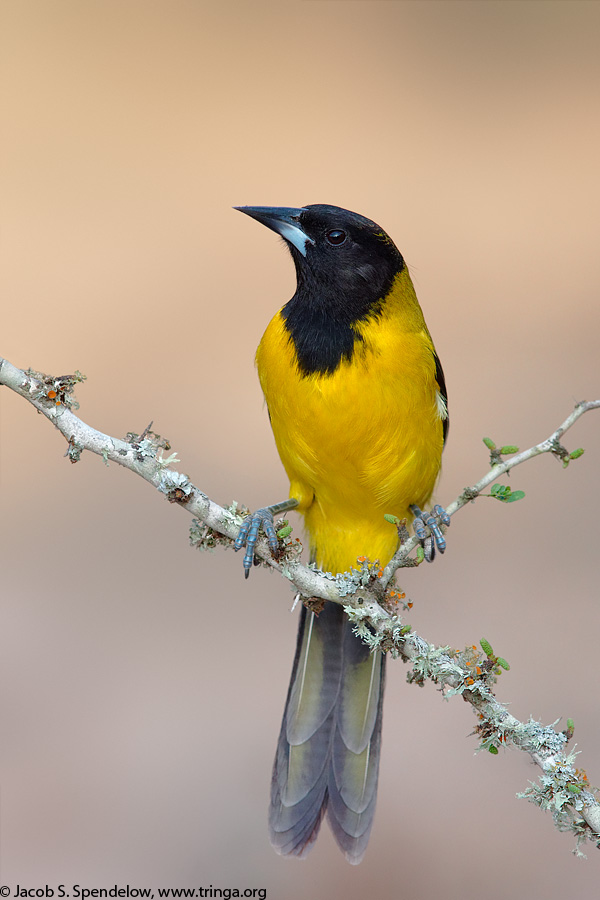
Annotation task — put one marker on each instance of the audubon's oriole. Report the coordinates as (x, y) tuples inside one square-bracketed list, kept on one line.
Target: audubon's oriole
[(357, 402)]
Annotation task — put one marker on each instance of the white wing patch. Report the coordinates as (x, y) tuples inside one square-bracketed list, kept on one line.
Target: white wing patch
[(442, 406)]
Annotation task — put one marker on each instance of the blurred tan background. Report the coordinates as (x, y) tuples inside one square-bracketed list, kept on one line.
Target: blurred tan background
[(137, 741)]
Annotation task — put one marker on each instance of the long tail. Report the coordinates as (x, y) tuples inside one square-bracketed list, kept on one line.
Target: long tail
[(328, 751)]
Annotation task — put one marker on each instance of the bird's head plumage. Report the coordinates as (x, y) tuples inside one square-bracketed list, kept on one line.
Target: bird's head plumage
[(336, 252)]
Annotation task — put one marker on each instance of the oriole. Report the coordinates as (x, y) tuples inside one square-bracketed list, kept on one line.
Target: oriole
[(357, 402)]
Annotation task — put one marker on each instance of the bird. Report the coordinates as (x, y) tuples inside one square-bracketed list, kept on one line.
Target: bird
[(357, 401)]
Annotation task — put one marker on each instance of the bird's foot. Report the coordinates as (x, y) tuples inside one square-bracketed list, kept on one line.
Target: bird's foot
[(250, 529), (248, 535), (431, 521)]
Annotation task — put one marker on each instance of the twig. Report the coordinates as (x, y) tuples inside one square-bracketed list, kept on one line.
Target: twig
[(364, 595), (550, 445)]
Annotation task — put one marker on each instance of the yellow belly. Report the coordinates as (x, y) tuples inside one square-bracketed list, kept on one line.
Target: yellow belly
[(363, 441)]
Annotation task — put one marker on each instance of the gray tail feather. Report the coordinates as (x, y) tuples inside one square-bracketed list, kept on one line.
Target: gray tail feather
[(329, 744)]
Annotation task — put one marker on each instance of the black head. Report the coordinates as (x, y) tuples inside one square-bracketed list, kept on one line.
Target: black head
[(343, 256), (345, 266)]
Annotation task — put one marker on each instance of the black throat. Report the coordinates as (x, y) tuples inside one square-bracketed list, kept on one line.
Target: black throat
[(321, 317)]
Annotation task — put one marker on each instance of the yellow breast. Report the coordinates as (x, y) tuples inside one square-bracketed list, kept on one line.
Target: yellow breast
[(363, 441)]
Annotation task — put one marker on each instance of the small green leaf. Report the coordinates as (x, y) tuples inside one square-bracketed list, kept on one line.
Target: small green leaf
[(574, 788), (505, 494), (489, 443), (502, 662), (508, 448), (577, 453), (493, 750), (570, 725), (285, 531), (393, 520), (420, 555), (486, 647), (405, 629)]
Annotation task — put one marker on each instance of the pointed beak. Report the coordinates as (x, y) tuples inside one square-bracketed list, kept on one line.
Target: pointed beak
[(284, 220)]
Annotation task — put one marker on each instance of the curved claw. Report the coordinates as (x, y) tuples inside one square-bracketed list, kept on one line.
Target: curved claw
[(424, 521), (249, 531)]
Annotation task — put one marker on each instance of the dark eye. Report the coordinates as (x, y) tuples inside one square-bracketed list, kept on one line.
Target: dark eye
[(335, 236)]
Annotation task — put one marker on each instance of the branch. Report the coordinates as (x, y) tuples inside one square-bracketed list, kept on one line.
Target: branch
[(550, 445), (365, 592)]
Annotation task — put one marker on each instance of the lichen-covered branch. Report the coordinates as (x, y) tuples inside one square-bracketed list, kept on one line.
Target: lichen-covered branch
[(367, 593), (563, 789)]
